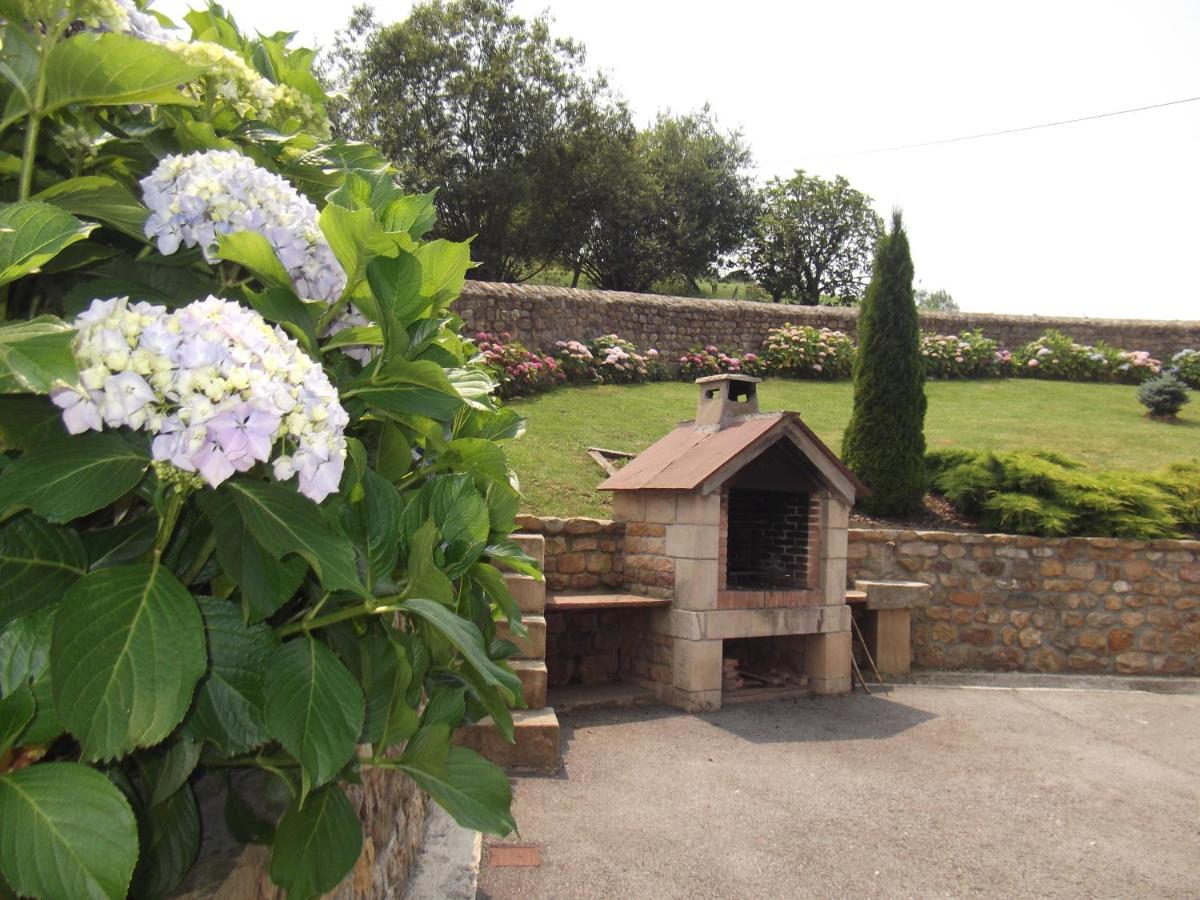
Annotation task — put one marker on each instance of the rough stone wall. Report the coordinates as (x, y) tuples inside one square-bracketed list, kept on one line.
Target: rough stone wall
[(588, 554), (540, 315), (581, 554), (390, 807), (1012, 603), (583, 646), (1009, 603)]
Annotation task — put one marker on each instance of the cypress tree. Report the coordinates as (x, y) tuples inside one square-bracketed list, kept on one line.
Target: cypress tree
[(885, 440)]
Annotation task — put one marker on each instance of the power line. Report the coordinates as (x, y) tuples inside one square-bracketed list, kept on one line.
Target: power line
[(988, 134)]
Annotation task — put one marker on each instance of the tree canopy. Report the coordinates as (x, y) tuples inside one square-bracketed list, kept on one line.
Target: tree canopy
[(481, 105), (534, 157), (679, 200), (813, 237)]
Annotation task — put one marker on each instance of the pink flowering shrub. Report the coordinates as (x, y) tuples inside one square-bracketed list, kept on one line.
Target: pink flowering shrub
[(518, 370), (1055, 355), (969, 355), (802, 351), (576, 361), (712, 360), (617, 361)]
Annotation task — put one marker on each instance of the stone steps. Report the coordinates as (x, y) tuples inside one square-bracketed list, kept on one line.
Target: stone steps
[(529, 593), (535, 729), (533, 675), (532, 545), (531, 647), (535, 740)]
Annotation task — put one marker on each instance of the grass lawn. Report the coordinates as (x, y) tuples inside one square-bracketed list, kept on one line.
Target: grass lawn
[(1100, 424)]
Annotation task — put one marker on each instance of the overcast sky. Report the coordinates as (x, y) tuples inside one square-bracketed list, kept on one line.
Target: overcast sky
[(1098, 218)]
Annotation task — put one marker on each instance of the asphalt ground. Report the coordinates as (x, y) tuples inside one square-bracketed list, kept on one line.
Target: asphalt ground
[(927, 791)]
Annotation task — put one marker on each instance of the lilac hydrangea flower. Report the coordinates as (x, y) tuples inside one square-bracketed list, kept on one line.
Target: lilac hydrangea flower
[(196, 198), (218, 387)]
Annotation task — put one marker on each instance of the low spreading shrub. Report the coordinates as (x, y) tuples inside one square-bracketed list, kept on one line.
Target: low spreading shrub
[(969, 355), (802, 351), (1163, 396), (1186, 364), (1055, 355), (711, 360), (1044, 493), (518, 371)]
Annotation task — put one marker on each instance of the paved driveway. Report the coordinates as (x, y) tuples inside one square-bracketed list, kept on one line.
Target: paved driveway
[(927, 792)]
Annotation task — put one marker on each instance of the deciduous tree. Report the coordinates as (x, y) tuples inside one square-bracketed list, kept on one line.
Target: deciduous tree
[(813, 237), (481, 105)]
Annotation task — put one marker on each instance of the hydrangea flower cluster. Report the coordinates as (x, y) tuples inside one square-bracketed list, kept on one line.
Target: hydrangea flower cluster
[(195, 198), (234, 82), (216, 385), (123, 17)]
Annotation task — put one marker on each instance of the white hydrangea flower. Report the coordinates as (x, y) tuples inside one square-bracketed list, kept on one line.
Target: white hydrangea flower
[(195, 198), (217, 386)]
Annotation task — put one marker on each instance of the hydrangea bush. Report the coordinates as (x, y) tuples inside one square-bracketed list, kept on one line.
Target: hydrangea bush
[(618, 361), (1055, 355), (1186, 364), (253, 500), (517, 370), (969, 355), (712, 360), (802, 351)]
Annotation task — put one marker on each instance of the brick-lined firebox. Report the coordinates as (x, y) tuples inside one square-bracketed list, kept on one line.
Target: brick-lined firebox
[(739, 520)]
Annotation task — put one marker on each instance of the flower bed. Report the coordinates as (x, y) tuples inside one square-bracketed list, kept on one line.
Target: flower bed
[(802, 351)]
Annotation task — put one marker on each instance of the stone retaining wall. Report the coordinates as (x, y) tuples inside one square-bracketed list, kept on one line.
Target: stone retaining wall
[(540, 315), (389, 805), (998, 602), (1009, 603)]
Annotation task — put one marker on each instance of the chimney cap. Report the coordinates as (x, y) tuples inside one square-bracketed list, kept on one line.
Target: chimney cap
[(728, 376)]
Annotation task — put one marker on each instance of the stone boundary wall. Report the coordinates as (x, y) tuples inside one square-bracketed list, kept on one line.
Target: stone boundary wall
[(998, 602), (539, 315)]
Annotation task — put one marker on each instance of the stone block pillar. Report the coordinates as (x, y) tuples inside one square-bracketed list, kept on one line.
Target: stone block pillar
[(696, 675), (827, 659), (889, 622)]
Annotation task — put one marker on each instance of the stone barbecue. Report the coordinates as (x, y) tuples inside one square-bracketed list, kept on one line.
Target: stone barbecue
[(737, 521)]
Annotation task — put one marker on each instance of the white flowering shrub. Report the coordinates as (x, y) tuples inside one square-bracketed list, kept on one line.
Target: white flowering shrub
[(253, 494)]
